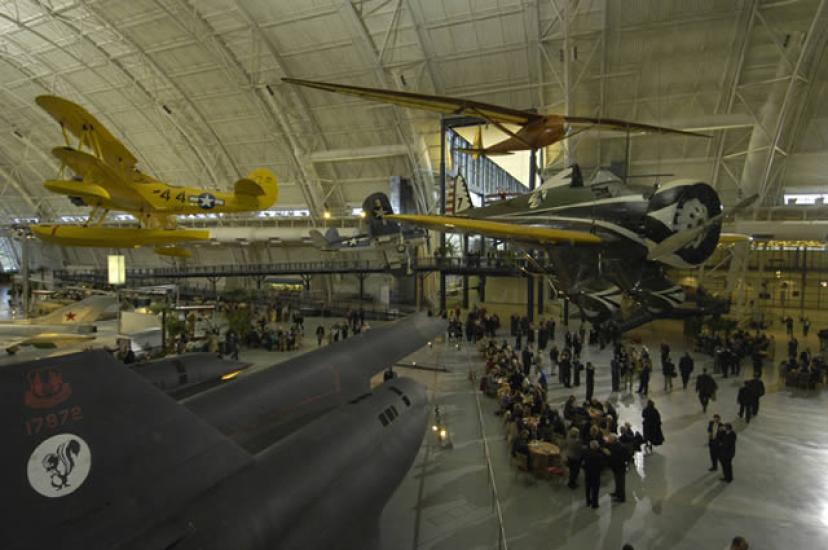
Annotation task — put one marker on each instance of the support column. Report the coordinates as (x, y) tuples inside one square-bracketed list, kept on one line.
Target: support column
[(443, 130), (566, 312), (533, 168), (540, 295), (361, 277), (481, 288), (24, 273), (804, 281), (466, 275), (530, 298)]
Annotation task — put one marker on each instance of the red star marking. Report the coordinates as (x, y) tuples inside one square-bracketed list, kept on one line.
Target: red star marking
[(70, 316)]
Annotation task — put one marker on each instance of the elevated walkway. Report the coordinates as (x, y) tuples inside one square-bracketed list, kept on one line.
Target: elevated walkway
[(451, 266)]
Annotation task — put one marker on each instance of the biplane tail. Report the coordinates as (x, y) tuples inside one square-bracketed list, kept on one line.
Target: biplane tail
[(260, 185)]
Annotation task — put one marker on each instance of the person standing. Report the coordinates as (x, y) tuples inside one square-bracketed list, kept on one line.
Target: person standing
[(806, 327), (644, 376), (745, 400), (577, 367), (526, 357), (789, 326), (593, 463), (653, 436), (668, 369), (574, 455), (727, 450), (566, 369), (714, 427), (628, 370), (686, 369), (320, 335), (590, 381), (618, 464), (615, 373), (757, 388), (756, 359), (706, 388), (793, 346)]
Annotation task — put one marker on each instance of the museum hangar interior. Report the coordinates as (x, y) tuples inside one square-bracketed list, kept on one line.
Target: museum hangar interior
[(414, 273)]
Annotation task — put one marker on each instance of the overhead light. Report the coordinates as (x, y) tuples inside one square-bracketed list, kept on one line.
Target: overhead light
[(326, 215), (362, 214)]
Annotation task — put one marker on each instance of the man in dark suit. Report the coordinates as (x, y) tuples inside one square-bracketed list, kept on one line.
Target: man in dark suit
[(590, 381), (685, 368), (706, 388), (593, 463), (714, 427), (757, 388), (727, 450), (526, 356), (745, 400), (618, 456)]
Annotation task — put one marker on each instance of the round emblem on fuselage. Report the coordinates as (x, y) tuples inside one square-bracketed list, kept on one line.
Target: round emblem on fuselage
[(206, 201), (59, 465)]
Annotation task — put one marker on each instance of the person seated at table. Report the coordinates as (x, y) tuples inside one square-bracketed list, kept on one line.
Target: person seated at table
[(570, 408), (595, 404), (558, 425), (520, 446), (609, 410)]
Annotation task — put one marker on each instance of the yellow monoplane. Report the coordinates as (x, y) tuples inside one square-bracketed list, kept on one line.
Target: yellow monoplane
[(106, 178)]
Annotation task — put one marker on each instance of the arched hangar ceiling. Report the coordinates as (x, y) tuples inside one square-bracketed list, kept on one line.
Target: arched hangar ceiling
[(194, 88)]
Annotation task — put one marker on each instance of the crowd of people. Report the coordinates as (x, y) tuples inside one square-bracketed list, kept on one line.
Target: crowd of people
[(587, 435)]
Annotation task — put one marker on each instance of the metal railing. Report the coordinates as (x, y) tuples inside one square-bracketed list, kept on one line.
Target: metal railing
[(502, 542), (459, 264)]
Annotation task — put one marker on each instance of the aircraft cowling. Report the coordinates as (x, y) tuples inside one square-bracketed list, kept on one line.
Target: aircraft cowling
[(680, 206), (598, 302), (659, 297)]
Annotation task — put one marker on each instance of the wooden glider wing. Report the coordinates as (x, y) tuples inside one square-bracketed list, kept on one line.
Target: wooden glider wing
[(89, 130), (438, 104), (580, 123), (502, 230)]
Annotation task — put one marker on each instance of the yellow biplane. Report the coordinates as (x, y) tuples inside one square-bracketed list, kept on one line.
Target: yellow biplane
[(106, 178)]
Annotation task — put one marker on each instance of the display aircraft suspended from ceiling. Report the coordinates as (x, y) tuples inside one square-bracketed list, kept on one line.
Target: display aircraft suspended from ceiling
[(107, 179), (605, 239), (536, 130)]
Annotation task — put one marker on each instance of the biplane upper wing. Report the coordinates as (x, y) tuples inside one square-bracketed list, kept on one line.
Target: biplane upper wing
[(438, 104), (580, 123), (89, 130), (87, 166), (502, 230)]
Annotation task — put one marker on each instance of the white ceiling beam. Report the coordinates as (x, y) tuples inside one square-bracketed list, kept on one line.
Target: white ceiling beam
[(361, 153)]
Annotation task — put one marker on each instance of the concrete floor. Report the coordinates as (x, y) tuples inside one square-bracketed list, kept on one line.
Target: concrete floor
[(779, 498)]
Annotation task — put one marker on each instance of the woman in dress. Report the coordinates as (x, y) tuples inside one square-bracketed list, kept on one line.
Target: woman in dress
[(652, 426)]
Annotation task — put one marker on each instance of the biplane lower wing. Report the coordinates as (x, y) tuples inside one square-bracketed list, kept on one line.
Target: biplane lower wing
[(117, 237)]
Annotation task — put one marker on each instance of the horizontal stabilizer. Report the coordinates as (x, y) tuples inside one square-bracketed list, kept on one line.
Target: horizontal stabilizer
[(49, 340), (95, 455)]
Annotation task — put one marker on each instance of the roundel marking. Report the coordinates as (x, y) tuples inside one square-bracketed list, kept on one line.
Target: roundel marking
[(59, 465)]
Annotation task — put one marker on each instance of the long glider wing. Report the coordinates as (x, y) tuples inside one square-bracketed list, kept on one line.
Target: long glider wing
[(581, 123), (438, 104), (503, 230), (80, 123)]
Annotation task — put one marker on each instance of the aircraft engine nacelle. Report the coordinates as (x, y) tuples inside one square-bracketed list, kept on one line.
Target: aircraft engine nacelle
[(684, 205)]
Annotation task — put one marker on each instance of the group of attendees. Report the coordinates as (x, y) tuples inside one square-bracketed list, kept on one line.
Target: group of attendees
[(479, 324), (587, 433)]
